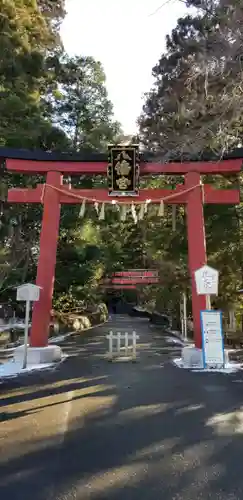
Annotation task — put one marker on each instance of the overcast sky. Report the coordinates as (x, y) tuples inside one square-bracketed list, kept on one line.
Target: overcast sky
[(128, 37)]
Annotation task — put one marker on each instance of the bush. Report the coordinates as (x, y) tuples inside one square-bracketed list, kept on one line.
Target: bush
[(77, 321)]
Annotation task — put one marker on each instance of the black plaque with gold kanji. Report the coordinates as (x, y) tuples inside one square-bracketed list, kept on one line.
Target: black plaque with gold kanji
[(123, 171)]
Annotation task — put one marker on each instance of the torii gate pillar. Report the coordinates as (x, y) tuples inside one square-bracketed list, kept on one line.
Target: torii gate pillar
[(197, 256), (47, 260)]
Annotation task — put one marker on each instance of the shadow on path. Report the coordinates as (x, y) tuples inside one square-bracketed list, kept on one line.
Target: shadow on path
[(140, 431)]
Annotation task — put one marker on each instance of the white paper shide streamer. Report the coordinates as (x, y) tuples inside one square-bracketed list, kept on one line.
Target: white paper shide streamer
[(96, 205), (134, 213), (102, 212), (124, 208), (82, 208), (141, 211), (161, 211)]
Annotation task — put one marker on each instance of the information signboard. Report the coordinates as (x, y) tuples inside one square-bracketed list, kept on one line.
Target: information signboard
[(212, 339), (28, 292)]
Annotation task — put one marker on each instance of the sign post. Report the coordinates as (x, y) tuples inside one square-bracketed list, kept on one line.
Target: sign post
[(208, 302), (26, 332), (207, 280), (184, 316), (27, 293)]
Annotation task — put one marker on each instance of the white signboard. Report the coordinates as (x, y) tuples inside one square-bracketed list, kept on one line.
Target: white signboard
[(212, 339), (28, 292), (207, 280)]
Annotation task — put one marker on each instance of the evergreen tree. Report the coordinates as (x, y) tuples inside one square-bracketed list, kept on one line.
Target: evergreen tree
[(195, 103), (82, 107)]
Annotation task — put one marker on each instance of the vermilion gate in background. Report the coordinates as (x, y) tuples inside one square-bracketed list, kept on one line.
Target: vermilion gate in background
[(53, 193), (129, 279)]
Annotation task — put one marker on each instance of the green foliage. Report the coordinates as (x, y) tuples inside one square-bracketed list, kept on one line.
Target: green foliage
[(52, 101), (82, 107), (195, 103), (39, 85), (195, 106)]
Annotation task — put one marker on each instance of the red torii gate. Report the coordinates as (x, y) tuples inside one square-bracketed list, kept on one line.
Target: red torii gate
[(52, 194)]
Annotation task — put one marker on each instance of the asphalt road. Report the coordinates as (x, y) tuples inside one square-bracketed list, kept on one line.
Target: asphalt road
[(121, 431)]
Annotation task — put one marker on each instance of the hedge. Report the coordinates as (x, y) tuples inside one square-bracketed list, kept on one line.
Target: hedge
[(77, 320)]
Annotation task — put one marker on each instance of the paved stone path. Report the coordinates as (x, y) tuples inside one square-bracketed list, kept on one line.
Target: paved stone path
[(121, 431)]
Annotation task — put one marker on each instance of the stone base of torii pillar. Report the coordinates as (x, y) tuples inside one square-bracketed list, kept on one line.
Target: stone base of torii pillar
[(38, 355), (192, 357)]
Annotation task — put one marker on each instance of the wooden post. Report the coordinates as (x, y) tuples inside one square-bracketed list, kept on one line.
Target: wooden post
[(126, 343), (208, 302), (110, 338), (134, 344), (47, 261), (118, 343), (185, 316), (197, 256)]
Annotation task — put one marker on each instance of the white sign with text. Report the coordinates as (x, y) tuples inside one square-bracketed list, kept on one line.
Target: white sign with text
[(212, 339), (207, 280), (28, 292)]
